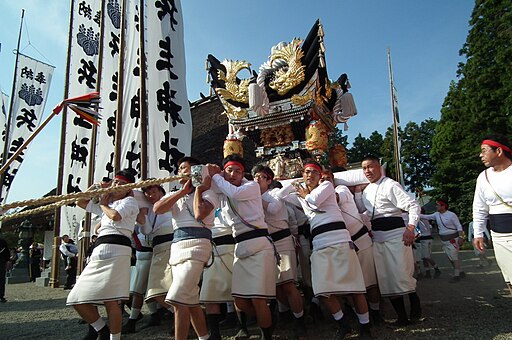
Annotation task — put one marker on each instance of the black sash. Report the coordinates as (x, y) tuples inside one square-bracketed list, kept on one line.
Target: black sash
[(305, 230), (387, 223), (190, 233), (251, 234), (425, 238), (449, 236), (145, 249), (360, 233), (281, 234), (327, 227), (501, 223), (222, 240), (113, 239), (162, 239)]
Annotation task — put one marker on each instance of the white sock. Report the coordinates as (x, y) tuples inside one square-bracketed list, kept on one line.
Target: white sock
[(231, 307), (298, 315), (282, 307), (456, 272), (363, 318), (337, 316), (374, 305), (134, 313), (116, 336), (152, 307), (204, 337), (315, 301), (98, 324)]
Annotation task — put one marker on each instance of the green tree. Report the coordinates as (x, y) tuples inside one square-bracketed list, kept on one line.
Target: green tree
[(480, 102), (363, 146), (387, 152), (417, 165)]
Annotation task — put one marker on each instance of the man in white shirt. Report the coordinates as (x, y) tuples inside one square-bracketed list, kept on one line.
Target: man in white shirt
[(383, 201), (192, 215), (493, 201), (254, 267), (451, 234)]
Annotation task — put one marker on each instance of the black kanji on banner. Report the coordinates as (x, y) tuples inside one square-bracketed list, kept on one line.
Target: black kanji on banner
[(172, 154), (27, 118), (166, 55), (167, 7), (165, 104), (87, 72), (135, 109), (79, 152), (133, 157)]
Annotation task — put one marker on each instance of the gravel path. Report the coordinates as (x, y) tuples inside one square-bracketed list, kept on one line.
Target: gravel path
[(478, 307)]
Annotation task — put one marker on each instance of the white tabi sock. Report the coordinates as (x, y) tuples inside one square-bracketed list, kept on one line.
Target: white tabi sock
[(363, 318), (298, 315), (98, 324), (116, 336), (374, 305), (204, 337), (231, 307), (456, 272), (134, 313), (152, 307), (282, 307), (337, 316)]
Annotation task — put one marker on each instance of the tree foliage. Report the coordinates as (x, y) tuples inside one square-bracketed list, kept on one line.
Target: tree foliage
[(479, 103), (363, 146)]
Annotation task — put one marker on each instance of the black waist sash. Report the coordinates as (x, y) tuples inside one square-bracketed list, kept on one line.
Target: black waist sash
[(360, 233), (191, 233), (251, 234), (113, 239), (305, 230), (327, 227), (223, 240), (162, 239), (145, 249), (281, 234), (449, 236), (387, 223), (429, 237), (501, 223)]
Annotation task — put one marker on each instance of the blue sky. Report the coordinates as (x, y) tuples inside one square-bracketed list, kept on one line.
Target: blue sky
[(424, 38)]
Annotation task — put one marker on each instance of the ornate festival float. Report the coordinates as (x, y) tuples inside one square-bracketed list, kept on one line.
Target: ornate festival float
[(289, 108)]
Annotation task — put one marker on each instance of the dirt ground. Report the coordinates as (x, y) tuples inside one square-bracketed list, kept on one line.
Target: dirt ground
[(477, 307)]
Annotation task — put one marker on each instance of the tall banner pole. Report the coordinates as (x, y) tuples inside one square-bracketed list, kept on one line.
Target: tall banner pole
[(394, 111)]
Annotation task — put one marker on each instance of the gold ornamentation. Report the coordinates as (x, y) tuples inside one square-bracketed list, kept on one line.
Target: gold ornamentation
[(232, 111), (233, 146), (317, 136), (338, 155), (238, 92), (286, 78), (302, 100), (277, 136)]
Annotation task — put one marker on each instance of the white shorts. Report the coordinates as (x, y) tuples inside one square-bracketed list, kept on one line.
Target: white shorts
[(426, 248), (255, 276), (451, 249), (139, 276), (368, 266), (335, 270), (503, 253), (184, 288), (160, 272), (216, 287), (394, 263)]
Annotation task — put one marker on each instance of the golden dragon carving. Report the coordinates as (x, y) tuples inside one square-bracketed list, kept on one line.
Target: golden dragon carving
[(286, 78), (234, 90)]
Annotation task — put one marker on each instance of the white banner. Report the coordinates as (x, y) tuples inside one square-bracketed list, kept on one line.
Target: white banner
[(82, 79), (4, 104), (32, 84), (169, 119), (131, 137), (112, 17)]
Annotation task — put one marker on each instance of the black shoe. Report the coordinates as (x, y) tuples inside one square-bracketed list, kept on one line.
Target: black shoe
[(427, 275), (399, 324), (67, 287), (462, 275), (315, 312), (242, 333), (455, 279), (104, 333), (155, 319), (3, 300), (129, 326), (364, 331), (286, 317), (343, 329), (230, 322), (91, 334), (375, 317), (437, 273), (416, 315), (299, 328)]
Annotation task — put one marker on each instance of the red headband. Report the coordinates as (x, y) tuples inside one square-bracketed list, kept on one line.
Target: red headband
[(496, 145), (314, 166), (122, 178), (238, 164)]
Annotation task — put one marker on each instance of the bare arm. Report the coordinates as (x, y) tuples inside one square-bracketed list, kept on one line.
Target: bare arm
[(165, 204), (202, 207)]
